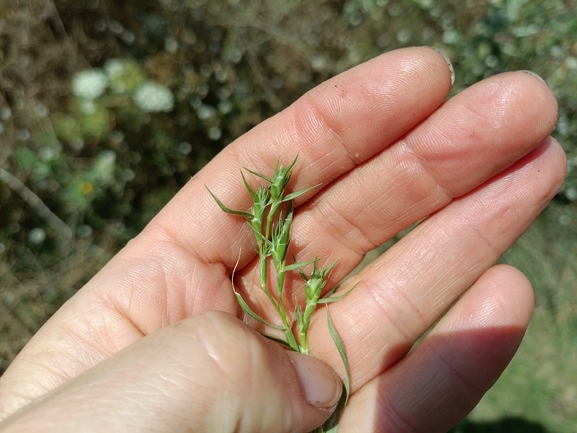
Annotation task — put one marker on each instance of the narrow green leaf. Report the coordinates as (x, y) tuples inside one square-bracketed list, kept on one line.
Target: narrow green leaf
[(299, 316), (296, 194), (248, 187), (227, 210), (287, 168), (277, 340), (262, 176), (252, 314), (328, 298), (292, 164), (327, 270), (291, 340), (335, 288), (331, 299), (332, 424), (298, 265), (272, 241), (341, 348), (303, 275)]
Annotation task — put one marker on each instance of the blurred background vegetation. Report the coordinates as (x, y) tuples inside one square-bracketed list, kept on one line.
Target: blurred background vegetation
[(107, 109)]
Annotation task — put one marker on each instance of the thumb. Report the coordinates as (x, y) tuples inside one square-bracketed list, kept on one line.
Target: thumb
[(208, 373)]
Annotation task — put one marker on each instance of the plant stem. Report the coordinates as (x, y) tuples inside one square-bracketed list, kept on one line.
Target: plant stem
[(264, 284), (272, 235)]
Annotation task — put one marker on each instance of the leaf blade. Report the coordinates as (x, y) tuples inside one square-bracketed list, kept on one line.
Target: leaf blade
[(328, 298), (262, 176), (296, 194), (332, 424), (252, 314), (298, 265), (228, 210)]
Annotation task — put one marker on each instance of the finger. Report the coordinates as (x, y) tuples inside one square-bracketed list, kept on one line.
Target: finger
[(180, 265), (210, 373), (446, 375), (407, 289)]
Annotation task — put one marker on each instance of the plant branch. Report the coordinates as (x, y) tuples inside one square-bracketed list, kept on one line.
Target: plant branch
[(37, 204)]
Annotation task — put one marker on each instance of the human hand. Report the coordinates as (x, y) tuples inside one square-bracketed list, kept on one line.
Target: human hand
[(138, 347)]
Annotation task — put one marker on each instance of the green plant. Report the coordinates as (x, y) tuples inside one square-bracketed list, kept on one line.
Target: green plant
[(270, 220)]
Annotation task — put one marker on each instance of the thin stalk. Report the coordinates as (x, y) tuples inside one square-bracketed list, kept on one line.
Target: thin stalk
[(304, 327), (280, 286), (264, 285), (289, 333), (278, 306), (270, 217)]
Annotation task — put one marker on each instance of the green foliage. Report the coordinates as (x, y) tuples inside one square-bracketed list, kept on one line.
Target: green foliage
[(272, 232)]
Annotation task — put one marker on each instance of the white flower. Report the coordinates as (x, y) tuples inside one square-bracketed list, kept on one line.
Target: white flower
[(214, 133), (104, 167), (153, 97), (36, 236), (114, 68), (571, 194), (89, 84)]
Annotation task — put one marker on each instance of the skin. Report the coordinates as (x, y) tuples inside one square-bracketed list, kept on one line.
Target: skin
[(156, 341)]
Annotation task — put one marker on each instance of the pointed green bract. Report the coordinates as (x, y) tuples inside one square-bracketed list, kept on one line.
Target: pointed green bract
[(270, 219), (328, 298), (294, 195), (252, 314), (248, 187), (262, 176), (298, 265), (227, 210)]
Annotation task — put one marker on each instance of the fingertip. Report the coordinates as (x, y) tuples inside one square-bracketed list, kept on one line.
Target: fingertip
[(557, 159), (447, 61), (320, 384), (535, 75), (448, 372), (539, 94), (501, 298), (509, 294), (434, 66)]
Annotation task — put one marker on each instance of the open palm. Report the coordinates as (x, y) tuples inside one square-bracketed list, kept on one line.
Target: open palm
[(387, 152)]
